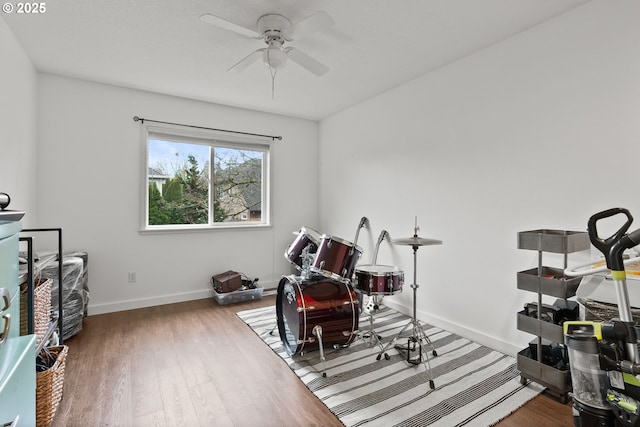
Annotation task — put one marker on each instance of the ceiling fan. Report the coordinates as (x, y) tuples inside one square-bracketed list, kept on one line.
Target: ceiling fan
[(276, 30)]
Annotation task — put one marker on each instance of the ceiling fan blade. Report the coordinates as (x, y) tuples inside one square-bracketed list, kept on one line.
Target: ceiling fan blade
[(307, 62), (309, 25), (221, 23), (247, 60)]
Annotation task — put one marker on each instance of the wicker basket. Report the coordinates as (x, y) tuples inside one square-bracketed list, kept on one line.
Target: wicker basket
[(49, 385), (41, 308)]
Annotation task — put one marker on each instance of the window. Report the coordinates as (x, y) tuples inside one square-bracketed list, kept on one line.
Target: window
[(201, 180)]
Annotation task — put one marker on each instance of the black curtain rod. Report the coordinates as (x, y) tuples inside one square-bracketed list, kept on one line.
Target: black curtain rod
[(140, 119)]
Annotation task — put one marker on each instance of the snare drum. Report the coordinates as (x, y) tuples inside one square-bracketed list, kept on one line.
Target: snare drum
[(379, 279), (303, 304), (307, 237), (336, 258)]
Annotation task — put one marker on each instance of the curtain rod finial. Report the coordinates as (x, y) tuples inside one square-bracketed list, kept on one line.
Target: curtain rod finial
[(137, 119)]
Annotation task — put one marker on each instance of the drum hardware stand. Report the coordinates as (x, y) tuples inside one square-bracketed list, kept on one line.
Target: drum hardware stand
[(307, 260), (317, 331), (363, 221), (383, 234), (374, 338), (415, 340)]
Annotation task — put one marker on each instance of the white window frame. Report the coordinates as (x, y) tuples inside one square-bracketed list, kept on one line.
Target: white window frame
[(209, 138)]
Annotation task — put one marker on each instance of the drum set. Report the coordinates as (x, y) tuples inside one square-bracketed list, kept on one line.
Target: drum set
[(322, 305)]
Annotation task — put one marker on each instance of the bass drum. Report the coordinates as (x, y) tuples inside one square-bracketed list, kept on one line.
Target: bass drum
[(302, 304)]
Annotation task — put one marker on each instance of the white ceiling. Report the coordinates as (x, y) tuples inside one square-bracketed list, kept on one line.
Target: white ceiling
[(162, 46)]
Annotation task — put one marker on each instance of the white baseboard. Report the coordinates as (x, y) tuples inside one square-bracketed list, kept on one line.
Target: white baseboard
[(133, 304), (148, 302), (479, 337), (270, 288)]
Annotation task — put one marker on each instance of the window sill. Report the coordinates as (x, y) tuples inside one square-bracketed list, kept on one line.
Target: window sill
[(202, 228)]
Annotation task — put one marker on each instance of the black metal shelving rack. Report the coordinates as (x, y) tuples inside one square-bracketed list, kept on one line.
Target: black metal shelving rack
[(30, 284), (549, 281)]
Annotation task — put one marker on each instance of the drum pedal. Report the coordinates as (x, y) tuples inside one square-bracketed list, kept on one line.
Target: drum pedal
[(411, 348)]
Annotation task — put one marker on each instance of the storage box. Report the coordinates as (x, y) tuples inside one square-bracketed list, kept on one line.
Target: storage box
[(240, 295)]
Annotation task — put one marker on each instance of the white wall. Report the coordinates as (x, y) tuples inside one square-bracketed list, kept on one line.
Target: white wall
[(18, 166), (538, 131), (91, 154)]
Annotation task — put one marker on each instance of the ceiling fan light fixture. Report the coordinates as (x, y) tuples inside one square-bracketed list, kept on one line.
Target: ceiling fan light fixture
[(274, 57)]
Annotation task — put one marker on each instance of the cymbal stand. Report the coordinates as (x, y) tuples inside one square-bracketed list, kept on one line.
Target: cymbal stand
[(418, 335)]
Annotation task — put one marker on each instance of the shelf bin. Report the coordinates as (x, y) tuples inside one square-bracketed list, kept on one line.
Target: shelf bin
[(555, 241), (552, 282), (534, 326), (559, 381)]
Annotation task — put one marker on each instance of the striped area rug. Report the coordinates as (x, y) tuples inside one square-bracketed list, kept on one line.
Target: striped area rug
[(475, 386)]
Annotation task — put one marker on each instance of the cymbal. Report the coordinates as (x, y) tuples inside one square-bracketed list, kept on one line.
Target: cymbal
[(416, 241)]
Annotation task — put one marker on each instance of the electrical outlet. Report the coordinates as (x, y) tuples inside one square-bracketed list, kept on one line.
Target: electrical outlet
[(132, 277)]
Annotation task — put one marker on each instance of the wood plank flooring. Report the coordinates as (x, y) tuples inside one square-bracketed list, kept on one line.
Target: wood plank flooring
[(197, 364)]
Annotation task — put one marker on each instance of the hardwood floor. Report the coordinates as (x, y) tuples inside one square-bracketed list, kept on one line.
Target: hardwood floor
[(197, 364)]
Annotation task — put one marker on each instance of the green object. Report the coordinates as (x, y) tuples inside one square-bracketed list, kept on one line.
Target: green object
[(583, 327)]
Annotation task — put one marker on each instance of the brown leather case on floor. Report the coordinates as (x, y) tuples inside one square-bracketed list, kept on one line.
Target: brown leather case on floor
[(228, 281)]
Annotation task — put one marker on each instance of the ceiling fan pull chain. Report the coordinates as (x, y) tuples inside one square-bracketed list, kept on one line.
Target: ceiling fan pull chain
[(273, 85), (273, 71)]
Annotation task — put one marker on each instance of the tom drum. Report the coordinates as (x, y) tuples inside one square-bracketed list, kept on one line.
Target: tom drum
[(378, 279), (307, 237), (336, 258)]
